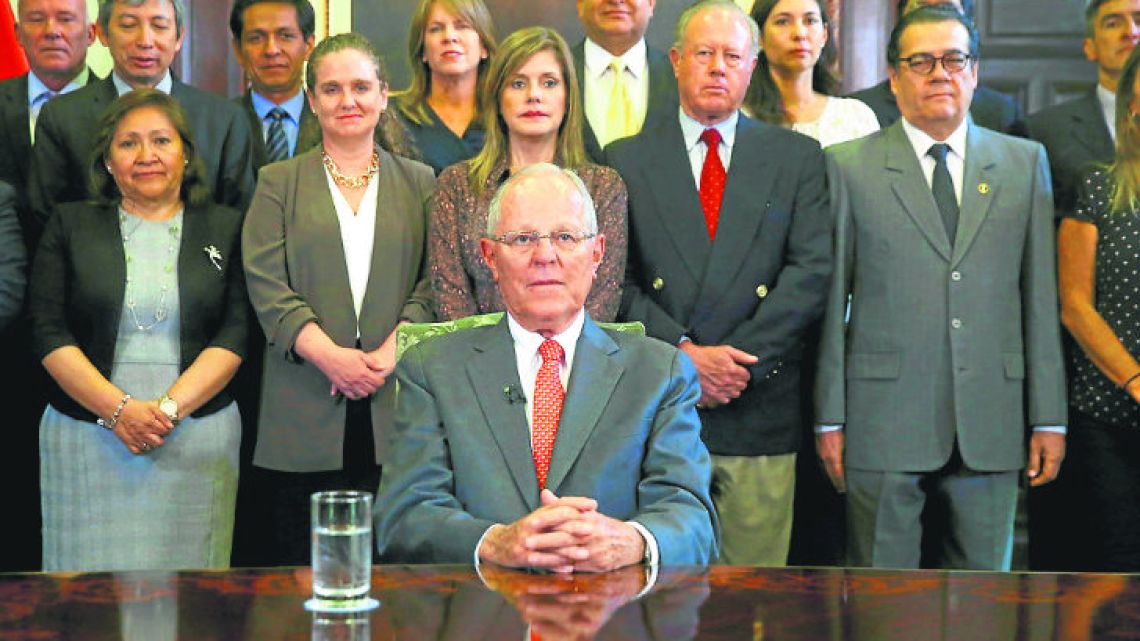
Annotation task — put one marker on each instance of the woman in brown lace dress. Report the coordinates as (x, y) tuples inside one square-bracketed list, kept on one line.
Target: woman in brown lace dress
[(532, 113)]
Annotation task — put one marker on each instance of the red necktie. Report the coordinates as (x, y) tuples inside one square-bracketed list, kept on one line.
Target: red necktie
[(712, 180), (548, 397)]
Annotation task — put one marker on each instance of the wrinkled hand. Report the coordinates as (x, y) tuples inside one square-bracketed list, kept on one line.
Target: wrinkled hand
[(829, 446), (1046, 451), (352, 372), (547, 538), (142, 426), (722, 371), (608, 542)]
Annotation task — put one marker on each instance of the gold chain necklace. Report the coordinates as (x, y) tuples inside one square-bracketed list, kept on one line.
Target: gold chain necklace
[(351, 182)]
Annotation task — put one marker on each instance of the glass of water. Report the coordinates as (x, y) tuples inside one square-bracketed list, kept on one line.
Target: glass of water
[(342, 547)]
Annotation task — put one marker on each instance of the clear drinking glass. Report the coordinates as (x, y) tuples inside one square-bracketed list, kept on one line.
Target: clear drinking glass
[(342, 546)]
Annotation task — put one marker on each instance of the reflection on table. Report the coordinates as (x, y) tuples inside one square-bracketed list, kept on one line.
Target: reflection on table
[(452, 602)]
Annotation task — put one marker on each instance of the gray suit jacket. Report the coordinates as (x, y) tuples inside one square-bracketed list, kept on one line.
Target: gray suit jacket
[(295, 270), (1076, 138), (65, 138), (758, 287), (663, 99), (944, 341), (628, 437), (308, 131)]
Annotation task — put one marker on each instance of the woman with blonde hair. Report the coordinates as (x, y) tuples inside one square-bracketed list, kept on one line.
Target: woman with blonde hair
[(1099, 248), (532, 113), (450, 45)]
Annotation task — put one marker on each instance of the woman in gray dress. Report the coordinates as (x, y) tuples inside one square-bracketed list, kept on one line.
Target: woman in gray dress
[(139, 312)]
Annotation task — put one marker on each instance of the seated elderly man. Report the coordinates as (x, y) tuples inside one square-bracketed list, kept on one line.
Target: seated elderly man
[(494, 462)]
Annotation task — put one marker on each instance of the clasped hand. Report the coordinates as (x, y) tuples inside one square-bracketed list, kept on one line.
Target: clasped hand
[(142, 426), (566, 534), (723, 371), (358, 374)]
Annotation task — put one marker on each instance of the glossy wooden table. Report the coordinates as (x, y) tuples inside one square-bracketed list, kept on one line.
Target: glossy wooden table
[(443, 602)]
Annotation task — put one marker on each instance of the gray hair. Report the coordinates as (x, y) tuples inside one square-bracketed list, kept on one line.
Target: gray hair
[(105, 7), (588, 211), (702, 5)]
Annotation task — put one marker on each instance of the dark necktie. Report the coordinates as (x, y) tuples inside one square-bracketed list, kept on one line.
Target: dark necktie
[(943, 188), (548, 397), (712, 180), (276, 143)]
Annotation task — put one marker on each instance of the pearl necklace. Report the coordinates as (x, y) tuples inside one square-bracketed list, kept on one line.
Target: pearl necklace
[(351, 182), (161, 312)]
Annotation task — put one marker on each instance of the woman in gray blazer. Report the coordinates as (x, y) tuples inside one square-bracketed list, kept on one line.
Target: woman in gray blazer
[(334, 253)]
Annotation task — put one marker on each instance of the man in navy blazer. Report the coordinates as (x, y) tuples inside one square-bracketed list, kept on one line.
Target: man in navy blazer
[(627, 478), (143, 37), (739, 294), (615, 31)]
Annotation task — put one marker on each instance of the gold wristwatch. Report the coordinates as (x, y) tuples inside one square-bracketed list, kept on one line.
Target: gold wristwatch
[(169, 406)]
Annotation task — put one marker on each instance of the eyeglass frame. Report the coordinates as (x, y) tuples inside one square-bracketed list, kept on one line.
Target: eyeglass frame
[(506, 239), (968, 60)]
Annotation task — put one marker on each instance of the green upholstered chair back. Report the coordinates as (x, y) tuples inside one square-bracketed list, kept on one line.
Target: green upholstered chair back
[(409, 334)]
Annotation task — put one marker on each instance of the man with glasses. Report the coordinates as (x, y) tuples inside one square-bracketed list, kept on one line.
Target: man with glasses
[(545, 441), (730, 253), (941, 338), (989, 108)]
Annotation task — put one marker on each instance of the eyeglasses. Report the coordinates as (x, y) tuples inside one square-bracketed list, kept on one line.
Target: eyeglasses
[(923, 63), (525, 241)]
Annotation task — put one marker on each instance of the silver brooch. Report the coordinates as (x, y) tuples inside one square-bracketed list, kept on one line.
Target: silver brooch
[(214, 255)]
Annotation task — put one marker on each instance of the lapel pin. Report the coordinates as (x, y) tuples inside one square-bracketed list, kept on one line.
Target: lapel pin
[(214, 255), (983, 188)]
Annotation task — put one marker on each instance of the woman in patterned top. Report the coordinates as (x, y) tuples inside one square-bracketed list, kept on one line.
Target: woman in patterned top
[(532, 113), (1099, 249)]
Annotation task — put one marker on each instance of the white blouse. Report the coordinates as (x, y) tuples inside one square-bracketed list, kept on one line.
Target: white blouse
[(357, 233), (842, 119)]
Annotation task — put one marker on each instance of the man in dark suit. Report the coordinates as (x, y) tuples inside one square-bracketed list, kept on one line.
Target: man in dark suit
[(143, 37), (1078, 135), (941, 339), (731, 264), (545, 441), (613, 52), (990, 109), (271, 40), (55, 36)]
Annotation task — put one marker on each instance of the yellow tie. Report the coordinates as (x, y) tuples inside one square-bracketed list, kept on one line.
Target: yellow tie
[(619, 120)]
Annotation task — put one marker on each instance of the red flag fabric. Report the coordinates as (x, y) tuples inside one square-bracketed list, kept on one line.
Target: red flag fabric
[(12, 60)]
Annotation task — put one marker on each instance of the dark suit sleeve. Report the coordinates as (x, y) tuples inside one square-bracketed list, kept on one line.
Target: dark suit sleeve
[(48, 291), (673, 492), (830, 392), (797, 299), (13, 259), (418, 517), (280, 309), (48, 177), (236, 182), (1044, 371)]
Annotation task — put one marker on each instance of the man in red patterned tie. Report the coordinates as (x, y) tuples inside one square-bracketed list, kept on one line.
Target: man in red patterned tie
[(730, 253), (546, 441)]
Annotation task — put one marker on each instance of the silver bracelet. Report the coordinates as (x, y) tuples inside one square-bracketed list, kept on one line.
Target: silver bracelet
[(110, 425)]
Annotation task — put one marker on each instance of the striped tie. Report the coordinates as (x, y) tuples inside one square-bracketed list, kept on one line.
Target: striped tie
[(276, 144)]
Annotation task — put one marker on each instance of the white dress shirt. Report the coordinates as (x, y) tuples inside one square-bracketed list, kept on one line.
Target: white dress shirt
[(357, 235), (38, 94), (598, 85), (123, 87), (691, 131), (1107, 100), (955, 159)]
